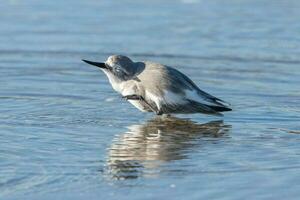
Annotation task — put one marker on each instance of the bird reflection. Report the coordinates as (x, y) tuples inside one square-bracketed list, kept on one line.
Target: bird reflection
[(144, 148)]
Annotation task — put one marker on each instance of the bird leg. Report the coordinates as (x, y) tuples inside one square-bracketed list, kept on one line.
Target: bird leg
[(140, 98), (132, 97)]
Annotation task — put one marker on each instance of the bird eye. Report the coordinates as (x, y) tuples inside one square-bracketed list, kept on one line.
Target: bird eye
[(118, 70)]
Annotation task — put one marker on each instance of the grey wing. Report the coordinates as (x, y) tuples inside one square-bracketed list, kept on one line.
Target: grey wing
[(206, 104), (189, 106)]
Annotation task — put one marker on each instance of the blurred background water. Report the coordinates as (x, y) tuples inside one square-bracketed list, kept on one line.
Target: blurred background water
[(64, 133)]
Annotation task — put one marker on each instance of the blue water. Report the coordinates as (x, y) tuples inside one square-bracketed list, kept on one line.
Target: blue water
[(65, 134)]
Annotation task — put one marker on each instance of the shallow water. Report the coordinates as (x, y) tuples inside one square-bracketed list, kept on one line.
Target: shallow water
[(64, 134)]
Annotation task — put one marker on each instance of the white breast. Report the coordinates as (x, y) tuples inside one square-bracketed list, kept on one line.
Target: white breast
[(129, 88), (125, 88)]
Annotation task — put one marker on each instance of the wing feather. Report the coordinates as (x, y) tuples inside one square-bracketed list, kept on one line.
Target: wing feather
[(182, 80)]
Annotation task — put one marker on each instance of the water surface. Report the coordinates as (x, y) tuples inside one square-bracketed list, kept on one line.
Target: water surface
[(64, 133)]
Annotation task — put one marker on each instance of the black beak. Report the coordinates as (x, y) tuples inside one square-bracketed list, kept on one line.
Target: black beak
[(98, 64)]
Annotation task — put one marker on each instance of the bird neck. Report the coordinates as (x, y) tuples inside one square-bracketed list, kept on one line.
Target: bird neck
[(114, 81)]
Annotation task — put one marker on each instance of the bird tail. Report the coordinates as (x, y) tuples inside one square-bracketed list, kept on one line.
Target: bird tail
[(220, 108), (209, 109)]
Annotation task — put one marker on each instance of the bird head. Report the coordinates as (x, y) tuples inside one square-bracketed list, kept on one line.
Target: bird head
[(121, 67)]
